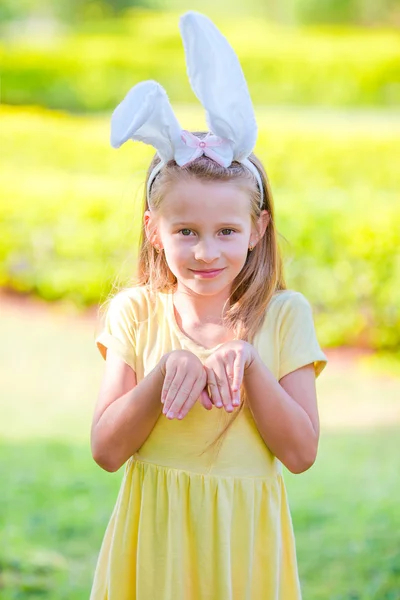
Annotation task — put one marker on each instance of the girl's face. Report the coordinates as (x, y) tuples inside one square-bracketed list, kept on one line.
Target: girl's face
[(205, 229)]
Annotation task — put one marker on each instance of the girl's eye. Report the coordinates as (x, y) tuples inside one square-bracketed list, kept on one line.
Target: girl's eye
[(225, 230), (185, 232)]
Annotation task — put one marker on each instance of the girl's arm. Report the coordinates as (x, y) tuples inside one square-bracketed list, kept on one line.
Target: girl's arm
[(285, 412), (126, 412)]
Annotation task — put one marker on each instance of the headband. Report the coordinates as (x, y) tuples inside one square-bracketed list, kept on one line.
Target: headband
[(217, 80)]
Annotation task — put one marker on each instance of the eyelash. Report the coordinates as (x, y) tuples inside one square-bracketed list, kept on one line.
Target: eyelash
[(225, 229)]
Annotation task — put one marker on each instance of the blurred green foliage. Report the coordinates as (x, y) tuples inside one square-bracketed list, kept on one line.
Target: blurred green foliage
[(71, 12), (93, 68), (71, 211), (365, 12)]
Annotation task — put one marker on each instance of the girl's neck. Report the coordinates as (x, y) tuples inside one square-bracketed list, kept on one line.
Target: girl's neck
[(200, 310), (200, 317)]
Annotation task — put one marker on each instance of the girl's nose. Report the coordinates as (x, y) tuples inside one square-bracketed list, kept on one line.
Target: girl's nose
[(207, 251)]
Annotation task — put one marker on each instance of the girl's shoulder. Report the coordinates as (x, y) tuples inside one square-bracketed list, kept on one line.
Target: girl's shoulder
[(132, 302), (138, 304), (287, 339), (287, 309), (287, 300), (134, 293)]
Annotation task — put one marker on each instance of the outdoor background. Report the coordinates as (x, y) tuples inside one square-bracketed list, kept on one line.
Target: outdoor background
[(324, 76)]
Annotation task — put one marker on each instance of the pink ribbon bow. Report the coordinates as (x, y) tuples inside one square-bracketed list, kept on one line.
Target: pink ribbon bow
[(205, 146)]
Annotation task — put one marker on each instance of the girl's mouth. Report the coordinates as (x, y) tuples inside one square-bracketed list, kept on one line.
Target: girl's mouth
[(207, 274)]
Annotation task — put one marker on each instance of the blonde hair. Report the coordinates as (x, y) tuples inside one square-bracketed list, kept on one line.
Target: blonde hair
[(262, 273)]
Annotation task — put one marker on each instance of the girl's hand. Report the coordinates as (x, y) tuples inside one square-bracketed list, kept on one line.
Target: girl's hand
[(225, 370), (185, 380)]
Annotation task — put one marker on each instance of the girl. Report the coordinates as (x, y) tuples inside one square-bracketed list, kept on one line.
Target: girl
[(209, 384)]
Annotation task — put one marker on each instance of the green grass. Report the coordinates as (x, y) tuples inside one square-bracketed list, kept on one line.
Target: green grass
[(55, 502), (53, 513), (344, 513)]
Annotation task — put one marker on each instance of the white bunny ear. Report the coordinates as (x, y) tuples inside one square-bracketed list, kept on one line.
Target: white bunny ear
[(217, 80), (146, 115)]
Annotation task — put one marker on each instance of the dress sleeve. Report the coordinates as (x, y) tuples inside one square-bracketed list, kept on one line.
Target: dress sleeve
[(119, 331), (297, 338)]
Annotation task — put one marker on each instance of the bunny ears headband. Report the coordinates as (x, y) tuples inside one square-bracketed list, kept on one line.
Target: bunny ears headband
[(217, 80)]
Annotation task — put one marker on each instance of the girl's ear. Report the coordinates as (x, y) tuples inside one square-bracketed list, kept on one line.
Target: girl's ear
[(261, 226), (263, 222), (151, 228)]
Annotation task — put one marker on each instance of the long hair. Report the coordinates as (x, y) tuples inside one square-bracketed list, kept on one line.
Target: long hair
[(262, 274)]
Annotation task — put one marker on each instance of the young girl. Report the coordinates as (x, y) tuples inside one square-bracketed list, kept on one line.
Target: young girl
[(209, 384)]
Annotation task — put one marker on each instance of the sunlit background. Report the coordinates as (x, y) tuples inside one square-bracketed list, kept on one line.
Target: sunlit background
[(324, 76)]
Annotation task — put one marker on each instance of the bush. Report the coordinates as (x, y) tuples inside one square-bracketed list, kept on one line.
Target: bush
[(70, 216), (367, 12), (93, 71)]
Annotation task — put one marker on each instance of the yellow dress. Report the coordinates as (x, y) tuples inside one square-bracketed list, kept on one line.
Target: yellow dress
[(193, 520)]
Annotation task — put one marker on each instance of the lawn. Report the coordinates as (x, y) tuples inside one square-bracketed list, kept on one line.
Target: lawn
[(55, 501)]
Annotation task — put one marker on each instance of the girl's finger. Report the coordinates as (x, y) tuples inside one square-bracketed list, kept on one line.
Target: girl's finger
[(197, 391), (205, 400), (238, 372), (229, 361), (213, 388), (174, 385), (168, 379), (187, 395), (224, 387)]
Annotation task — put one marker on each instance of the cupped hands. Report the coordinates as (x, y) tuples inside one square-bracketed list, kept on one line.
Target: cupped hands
[(216, 383)]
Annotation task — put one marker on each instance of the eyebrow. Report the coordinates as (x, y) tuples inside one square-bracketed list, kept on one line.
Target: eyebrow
[(218, 225)]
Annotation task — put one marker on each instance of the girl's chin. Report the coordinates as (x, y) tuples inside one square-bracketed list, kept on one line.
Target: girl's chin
[(206, 287)]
